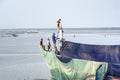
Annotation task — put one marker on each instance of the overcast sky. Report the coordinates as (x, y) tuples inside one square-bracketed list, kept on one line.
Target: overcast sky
[(44, 13)]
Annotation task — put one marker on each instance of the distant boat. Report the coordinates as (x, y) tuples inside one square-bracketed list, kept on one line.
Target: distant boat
[(14, 35)]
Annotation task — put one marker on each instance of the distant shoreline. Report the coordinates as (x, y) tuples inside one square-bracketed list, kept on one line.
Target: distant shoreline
[(92, 28), (16, 32)]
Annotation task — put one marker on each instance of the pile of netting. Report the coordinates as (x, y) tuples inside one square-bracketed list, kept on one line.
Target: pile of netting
[(66, 68)]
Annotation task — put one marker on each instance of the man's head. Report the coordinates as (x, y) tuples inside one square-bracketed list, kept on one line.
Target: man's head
[(53, 33), (41, 39), (59, 19)]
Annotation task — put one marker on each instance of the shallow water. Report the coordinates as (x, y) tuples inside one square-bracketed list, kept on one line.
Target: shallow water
[(20, 57), (28, 43)]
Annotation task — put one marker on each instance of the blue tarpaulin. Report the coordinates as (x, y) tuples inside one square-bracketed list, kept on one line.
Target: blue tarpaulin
[(100, 53)]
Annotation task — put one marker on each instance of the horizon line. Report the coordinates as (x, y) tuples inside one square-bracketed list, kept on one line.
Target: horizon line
[(113, 28)]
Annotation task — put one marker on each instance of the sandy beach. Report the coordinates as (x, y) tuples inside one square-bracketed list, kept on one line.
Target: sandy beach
[(20, 57)]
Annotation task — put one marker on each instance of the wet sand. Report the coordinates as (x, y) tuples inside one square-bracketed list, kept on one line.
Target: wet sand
[(23, 67)]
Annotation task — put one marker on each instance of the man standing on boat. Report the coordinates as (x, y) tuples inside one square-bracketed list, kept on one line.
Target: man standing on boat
[(41, 43), (59, 34), (59, 30), (48, 44), (54, 41)]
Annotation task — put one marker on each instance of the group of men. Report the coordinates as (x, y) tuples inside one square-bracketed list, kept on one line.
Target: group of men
[(48, 44), (55, 39)]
